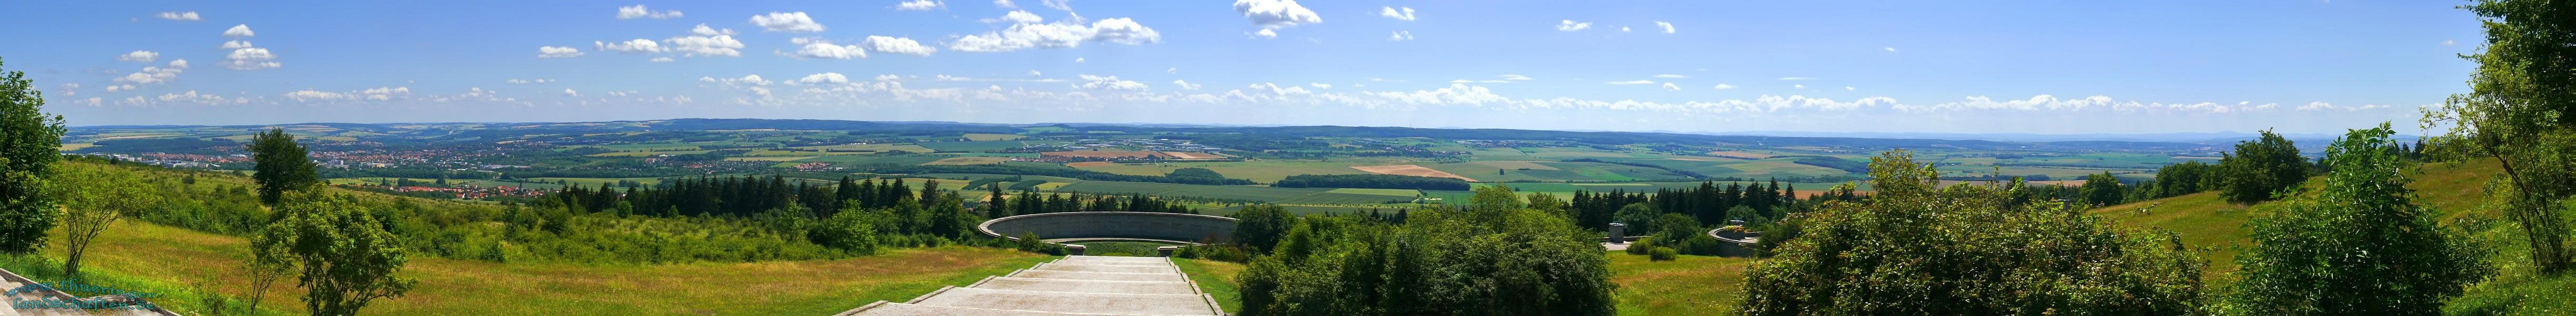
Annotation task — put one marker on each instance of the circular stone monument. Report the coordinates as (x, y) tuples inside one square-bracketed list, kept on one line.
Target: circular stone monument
[(1188, 229)]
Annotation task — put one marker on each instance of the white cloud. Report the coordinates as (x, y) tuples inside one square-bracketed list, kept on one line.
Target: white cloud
[(1173, 70), (638, 11), (630, 46), (1570, 25), (2449, 42), (1889, 49), (1276, 13), (815, 48), (1797, 78), (1400, 36), (251, 59), (1798, 86), (140, 56), (1060, 34), (1623, 29), (660, 59), (1668, 86), (1185, 85), (1633, 82), (180, 16), (1404, 13), (235, 45), (1515, 77), (898, 45), (151, 75), (1722, 86), (239, 30), (745, 80), (1035, 73), (919, 5), (1672, 76), (528, 81), (569, 93), (557, 52), (1319, 85), (1005, 4), (311, 95), (706, 41), (792, 22), (1078, 59), (1266, 33), (122, 87), (823, 78), (1110, 83), (1059, 5), (1849, 88), (1668, 26), (1016, 17)]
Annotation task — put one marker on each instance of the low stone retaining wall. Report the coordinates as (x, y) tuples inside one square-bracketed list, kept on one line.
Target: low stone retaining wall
[(1169, 227)]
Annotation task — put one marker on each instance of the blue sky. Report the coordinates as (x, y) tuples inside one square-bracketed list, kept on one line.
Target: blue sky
[(1975, 66)]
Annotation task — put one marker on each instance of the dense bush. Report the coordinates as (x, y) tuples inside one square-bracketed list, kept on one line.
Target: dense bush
[(1490, 259), (2358, 246), (1916, 249)]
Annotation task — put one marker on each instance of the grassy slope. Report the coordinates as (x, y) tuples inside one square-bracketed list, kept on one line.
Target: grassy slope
[(1691, 285), (1217, 279), (462, 287), (167, 260)]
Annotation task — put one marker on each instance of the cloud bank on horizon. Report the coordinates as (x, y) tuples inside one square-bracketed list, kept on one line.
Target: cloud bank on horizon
[(1891, 67)]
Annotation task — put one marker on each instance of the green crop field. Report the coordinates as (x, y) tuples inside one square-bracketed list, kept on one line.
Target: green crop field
[(971, 146), (1264, 171), (1388, 192)]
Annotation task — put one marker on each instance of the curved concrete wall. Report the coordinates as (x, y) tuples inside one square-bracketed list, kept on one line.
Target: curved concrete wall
[(1185, 228)]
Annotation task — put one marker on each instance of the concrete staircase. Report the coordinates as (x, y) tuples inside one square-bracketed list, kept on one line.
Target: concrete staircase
[(1074, 285)]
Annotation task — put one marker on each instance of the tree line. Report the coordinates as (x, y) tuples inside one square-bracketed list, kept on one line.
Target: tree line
[(1371, 181)]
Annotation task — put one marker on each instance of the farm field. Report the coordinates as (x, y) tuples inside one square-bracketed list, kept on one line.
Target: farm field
[(987, 137), (1303, 210), (1263, 171), (971, 146), (1411, 170), (1227, 192)]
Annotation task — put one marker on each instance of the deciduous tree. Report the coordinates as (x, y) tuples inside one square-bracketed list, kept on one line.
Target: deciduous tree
[(99, 197), (2518, 112), (29, 145), (280, 165), (2358, 246), (345, 258)]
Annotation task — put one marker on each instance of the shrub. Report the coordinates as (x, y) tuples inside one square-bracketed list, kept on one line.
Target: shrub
[(1662, 254)]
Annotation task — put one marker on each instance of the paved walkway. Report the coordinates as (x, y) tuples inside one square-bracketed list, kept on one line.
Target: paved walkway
[(1075, 285)]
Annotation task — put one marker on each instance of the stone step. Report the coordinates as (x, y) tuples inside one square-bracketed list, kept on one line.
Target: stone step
[(901, 309), (1059, 302), (1118, 258), (1086, 286), (1117, 263), (1058, 266), (1087, 275)]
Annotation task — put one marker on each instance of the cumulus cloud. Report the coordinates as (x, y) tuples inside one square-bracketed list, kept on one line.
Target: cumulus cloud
[(1849, 88), (140, 56), (1185, 85), (1016, 17), (1570, 25), (1403, 13), (1060, 34), (528, 81), (792, 22), (1005, 4), (179, 16), (251, 59), (1889, 49), (239, 30), (1059, 5), (919, 5), (1668, 26), (1668, 86), (660, 59), (569, 93), (818, 48), (1271, 14), (1514, 77), (633, 46), (898, 45), (235, 45), (1623, 29), (1319, 85), (1110, 83), (706, 41), (151, 75), (638, 11), (1400, 36), (557, 52), (1722, 86), (1633, 82), (822, 78), (1266, 33), (1035, 73)]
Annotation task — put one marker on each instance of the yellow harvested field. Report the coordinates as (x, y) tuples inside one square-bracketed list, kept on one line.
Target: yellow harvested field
[(1740, 155), (1514, 164), (983, 137), (1050, 186), (1410, 170), (1191, 155), (72, 147), (967, 161)]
